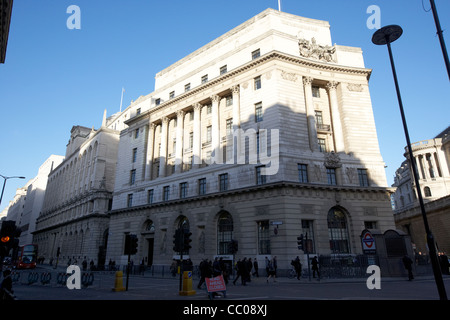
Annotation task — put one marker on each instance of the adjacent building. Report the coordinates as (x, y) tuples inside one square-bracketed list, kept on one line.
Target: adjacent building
[(263, 134), (432, 159)]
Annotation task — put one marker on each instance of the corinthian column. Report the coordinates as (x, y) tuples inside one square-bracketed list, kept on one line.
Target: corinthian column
[(215, 139), (163, 154), (179, 141), (150, 149), (310, 116), (336, 117), (197, 136)]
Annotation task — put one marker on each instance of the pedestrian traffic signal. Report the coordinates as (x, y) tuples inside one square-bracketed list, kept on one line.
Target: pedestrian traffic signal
[(177, 238), (301, 242), (131, 244), (187, 240)]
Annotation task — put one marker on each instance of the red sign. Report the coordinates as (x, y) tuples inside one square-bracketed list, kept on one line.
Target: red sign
[(215, 284)]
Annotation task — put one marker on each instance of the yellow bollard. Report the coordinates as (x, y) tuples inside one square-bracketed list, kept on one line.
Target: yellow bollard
[(187, 284), (118, 285)]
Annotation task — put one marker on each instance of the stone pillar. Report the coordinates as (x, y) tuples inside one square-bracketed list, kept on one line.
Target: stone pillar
[(163, 155), (197, 146), (336, 117), (215, 131), (150, 149), (179, 142), (236, 108), (310, 116)]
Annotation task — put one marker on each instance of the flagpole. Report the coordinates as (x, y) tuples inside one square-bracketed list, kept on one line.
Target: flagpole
[(279, 5), (121, 99)]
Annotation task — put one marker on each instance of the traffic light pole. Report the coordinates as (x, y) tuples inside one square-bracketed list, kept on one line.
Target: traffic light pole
[(128, 265), (181, 258)]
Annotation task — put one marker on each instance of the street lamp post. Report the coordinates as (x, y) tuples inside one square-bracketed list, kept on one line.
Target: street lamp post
[(386, 35), (4, 184)]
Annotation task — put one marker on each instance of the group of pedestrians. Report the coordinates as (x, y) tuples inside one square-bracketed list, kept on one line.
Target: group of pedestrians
[(211, 269), (244, 269)]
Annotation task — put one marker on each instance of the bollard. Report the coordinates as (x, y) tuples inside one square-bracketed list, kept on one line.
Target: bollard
[(187, 284), (118, 285)]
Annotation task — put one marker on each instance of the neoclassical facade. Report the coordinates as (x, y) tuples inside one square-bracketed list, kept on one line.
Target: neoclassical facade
[(74, 219), (265, 133)]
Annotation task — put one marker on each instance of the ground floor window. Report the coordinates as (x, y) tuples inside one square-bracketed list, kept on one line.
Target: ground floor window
[(337, 231)]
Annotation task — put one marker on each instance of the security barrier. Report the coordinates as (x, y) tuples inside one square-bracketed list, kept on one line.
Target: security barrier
[(33, 277), (87, 279), (46, 277), (62, 278)]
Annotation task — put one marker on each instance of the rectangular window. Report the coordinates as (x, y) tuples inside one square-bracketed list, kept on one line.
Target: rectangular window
[(130, 200), (223, 69), (263, 237), (191, 116), (209, 134), (134, 155), (319, 118), (229, 128), (187, 87), (260, 179), (133, 176), (166, 191), (229, 100), (370, 224), (191, 140), (158, 101), (202, 186), (138, 111), (315, 92), (183, 190), (136, 133), (331, 176), (322, 145), (204, 78), (258, 112), (256, 54), (257, 82), (150, 196), (223, 182), (363, 178), (302, 172), (209, 109), (172, 95)]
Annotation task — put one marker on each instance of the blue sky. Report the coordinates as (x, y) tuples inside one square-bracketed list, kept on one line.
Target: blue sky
[(55, 78)]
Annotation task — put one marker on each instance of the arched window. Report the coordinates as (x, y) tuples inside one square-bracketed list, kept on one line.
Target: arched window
[(337, 231), (224, 233), (427, 191)]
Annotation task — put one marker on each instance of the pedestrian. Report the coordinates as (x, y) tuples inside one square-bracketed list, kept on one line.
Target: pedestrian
[(255, 267), (223, 269), (249, 269), (271, 271), (216, 268), (407, 262), (275, 265), (6, 291), (315, 267), (298, 267), (266, 260), (205, 272), (174, 267), (84, 264)]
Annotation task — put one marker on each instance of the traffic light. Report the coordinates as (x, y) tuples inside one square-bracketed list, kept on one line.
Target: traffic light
[(233, 246), (187, 240), (177, 241), (301, 242), (131, 244), (8, 234)]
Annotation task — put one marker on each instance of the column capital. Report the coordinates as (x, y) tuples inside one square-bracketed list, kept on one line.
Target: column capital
[(215, 98), (152, 126), (197, 106), (332, 85), (235, 89), (307, 81), (165, 120), (180, 113)]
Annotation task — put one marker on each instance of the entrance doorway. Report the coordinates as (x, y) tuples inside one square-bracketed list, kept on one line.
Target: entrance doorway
[(150, 243)]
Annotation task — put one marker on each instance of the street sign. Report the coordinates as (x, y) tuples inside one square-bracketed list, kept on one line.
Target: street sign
[(368, 242)]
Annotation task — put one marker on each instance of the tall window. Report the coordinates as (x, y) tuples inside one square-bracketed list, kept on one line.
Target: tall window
[(331, 176), (229, 100), (322, 145), (315, 91), (183, 189), (187, 87), (205, 78), (166, 191), (337, 231), (224, 233), (263, 237), (150, 196), (133, 176), (427, 191), (257, 82), (202, 186), (223, 182), (229, 127), (191, 140), (172, 94), (223, 69), (302, 172), (134, 155), (363, 178), (260, 179), (258, 112), (136, 133), (208, 134), (130, 200), (256, 54)]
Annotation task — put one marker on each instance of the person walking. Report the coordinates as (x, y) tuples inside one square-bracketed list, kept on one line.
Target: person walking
[(298, 267), (255, 267), (271, 271), (315, 267), (407, 262), (6, 291)]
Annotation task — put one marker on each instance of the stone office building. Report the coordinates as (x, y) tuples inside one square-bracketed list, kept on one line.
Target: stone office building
[(264, 133)]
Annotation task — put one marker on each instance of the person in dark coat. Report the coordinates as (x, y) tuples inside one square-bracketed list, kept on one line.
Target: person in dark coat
[(6, 292), (407, 262), (315, 267), (255, 267)]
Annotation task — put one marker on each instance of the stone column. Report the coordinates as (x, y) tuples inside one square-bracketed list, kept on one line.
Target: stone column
[(163, 155), (336, 117), (150, 149), (197, 147), (215, 139), (179, 142), (310, 116), (236, 108)]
